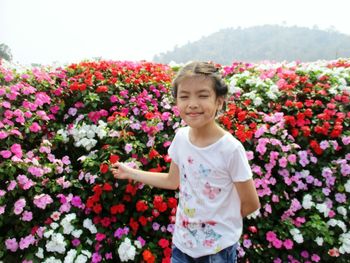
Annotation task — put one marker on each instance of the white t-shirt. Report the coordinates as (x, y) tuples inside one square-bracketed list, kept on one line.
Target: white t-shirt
[(208, 217)]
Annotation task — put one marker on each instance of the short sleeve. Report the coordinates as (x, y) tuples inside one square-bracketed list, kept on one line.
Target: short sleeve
[(239, 167)]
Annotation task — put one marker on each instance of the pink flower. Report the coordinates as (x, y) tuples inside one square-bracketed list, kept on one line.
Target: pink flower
[(283, 162), (16, 149), (35, 127), (36, 171), (270, 236), (288, 244), (42, 200), (19, 205), (3, 135), (277, 243), (100, 236), (25, 242), (2, 209), (11, 244), (315, 258), (12, 185), (27, 216), (128, 148), (5, 154)]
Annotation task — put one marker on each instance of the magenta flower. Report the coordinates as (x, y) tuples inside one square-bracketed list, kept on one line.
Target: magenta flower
[(288, 244), (35, 127)]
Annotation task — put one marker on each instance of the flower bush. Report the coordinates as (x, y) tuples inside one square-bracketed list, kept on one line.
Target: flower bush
[(62, 128)]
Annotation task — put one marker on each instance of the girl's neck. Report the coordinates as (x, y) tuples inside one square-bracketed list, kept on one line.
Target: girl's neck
[(206, 136)]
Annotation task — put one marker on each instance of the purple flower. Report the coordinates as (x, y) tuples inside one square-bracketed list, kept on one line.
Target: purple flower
[(340, 198), (75, 242), (96, 257), (155, 226)]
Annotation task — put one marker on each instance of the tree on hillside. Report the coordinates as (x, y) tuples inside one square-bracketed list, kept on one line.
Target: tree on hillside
[(5, 52)]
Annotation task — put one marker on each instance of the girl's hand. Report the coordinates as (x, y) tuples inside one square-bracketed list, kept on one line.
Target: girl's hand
[(121, 171)]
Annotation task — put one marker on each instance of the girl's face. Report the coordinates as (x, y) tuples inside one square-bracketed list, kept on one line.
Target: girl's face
[(197, 101)]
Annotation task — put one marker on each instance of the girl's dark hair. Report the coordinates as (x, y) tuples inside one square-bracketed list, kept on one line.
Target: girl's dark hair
[(205, 69)]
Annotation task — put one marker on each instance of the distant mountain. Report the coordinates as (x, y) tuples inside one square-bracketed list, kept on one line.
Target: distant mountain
[(268, 42)]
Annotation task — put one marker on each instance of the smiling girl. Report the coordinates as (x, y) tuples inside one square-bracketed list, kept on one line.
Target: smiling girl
[(210, 168)]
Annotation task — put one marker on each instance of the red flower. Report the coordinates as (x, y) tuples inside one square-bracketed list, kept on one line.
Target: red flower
[(316, 147), (97, 208), (172, 202), (107, 187), (97, 190), (148, 256), (102, 89), (104, 168), (253, 229), (105, 221), (117, 209), (134, 225), (163, 243), (159, 204), (143, 220), (114, 158), (141, 206), (167, 252), (131, 189), (153, 153)]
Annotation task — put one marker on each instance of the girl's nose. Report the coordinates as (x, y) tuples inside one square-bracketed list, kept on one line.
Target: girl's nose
[(193, 105)]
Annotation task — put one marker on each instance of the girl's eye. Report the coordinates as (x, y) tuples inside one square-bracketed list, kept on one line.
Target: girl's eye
[(183, 97), (203, 96)]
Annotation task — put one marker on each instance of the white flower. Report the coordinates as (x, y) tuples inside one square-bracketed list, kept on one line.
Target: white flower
[(138, 244), (345, 247), (347, 186), (52, 260), (126, 251), (77, 233), (322, 208), (56, 244), (298, 238), (54, 225), (307, 203), (81, 259), (257, 101), (319, 241), (86, 253), (40, 253), (342, 210), (70, 256), (47, 234), (89, 225)]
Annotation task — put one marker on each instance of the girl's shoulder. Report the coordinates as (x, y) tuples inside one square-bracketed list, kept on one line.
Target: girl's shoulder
[(230, 143)]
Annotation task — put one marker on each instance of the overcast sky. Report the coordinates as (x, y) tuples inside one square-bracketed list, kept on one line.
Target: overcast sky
[(44, 31)]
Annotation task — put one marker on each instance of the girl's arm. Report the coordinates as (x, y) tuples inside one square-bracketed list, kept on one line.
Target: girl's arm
[(168, 180), (249, 197)]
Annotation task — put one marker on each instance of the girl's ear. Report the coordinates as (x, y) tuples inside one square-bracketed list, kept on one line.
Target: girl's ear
[(220, 103)]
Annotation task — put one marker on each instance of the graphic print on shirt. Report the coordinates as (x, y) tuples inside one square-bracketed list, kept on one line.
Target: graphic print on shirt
[(199, 234), (210, 191), (203, 171)]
